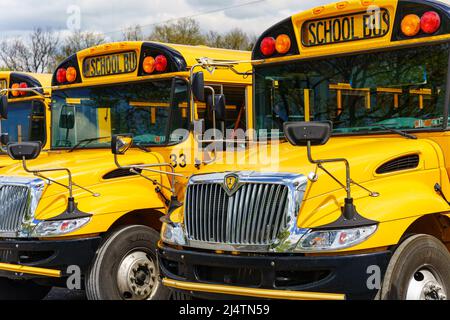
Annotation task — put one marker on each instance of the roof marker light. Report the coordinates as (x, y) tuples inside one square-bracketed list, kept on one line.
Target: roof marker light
[(71, 74), (283, 44), (149, 64), (268, 46), (430, 22), (161, 63), (411, 25), (61, 75)]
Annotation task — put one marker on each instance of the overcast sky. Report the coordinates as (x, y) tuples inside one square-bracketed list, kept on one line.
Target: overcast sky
[(18, 17)]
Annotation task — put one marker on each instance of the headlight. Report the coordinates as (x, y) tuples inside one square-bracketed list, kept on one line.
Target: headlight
[(328, 240), (58, 228), (173, 234)]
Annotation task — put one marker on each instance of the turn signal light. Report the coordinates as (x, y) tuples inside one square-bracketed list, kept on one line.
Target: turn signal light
[(411, 25), (61, 75), (71, 74), (149, 65), (283, 44), (161, 63), (15, 93), (268, 46), (430, 22)]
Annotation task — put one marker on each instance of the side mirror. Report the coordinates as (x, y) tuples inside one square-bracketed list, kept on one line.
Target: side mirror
[(198, 86), (120, 144), (300, 133), (4, 139), (67, 120), (219, 106), (27, 150), (3, 107)]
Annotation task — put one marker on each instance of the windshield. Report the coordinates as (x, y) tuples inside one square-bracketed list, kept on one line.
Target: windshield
[(403, 89), (148, 110), (26, 121)]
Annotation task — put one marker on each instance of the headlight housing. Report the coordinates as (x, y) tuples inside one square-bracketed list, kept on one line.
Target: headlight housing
[(58, 228), (173, 234), (332, 240)]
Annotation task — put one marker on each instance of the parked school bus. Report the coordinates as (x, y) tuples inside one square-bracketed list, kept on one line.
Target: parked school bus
[(84, 211), (25, 113), (357, 207)]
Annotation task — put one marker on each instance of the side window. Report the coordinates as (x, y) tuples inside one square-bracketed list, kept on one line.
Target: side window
[(236, 111), (37, 122)]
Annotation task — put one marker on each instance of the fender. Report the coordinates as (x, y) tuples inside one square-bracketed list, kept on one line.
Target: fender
[(403, 199)]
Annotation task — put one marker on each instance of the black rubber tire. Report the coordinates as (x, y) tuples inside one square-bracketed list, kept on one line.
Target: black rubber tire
[(410, 256), (22, 290), (101, 282)]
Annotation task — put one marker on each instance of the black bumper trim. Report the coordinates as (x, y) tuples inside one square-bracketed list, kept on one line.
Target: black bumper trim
[(345, 274), (48, 254)]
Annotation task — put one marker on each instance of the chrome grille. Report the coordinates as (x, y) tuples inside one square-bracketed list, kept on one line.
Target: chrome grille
[(5, 256), (254, 215), (14, 205)]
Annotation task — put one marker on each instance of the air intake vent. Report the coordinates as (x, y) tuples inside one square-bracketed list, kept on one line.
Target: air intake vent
[(119, 173), (399, 164)]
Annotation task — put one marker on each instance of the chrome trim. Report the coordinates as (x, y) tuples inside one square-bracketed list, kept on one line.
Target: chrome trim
[(286, 241), (36, 188)]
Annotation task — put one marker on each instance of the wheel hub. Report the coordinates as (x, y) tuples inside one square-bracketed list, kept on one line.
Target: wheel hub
[(136, 276), (426, 285)]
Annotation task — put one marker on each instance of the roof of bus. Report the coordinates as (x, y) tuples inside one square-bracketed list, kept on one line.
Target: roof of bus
[(44, 78), (190, 53), (313, 32)]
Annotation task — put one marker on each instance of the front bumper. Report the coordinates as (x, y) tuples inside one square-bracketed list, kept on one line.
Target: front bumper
[(55, 255), (210, 275)]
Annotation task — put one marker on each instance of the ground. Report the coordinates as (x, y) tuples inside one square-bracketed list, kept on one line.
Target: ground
[(64, 294)]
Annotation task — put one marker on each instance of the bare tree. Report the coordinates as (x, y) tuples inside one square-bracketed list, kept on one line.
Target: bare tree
[(133, 33), (35, 55), (78, 41)]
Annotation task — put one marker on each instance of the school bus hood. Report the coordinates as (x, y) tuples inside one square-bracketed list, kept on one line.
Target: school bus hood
[(365, 155), (88, 168)]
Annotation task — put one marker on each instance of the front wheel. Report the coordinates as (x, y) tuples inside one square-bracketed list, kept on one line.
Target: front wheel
[(126, 268), (22, 290), (418, 270)]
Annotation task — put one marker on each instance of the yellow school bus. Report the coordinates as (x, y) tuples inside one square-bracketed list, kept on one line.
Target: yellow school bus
[(27, 112), (94, 215), (353, 203)]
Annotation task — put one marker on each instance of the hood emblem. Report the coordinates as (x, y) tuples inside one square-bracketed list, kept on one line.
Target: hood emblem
[(231, 184)]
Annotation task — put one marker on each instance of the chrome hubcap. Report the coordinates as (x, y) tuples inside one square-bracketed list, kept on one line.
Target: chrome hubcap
[(137, 276), (425, 284)]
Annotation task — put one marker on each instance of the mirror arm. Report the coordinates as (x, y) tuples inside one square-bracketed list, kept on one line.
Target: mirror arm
[(171, 174), (69, 187)]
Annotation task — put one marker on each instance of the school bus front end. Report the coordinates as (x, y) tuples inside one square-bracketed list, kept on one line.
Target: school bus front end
[(82, 211), (349, 200)]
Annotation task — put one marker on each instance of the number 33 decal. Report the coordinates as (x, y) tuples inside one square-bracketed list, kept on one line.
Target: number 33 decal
[(178, 161)]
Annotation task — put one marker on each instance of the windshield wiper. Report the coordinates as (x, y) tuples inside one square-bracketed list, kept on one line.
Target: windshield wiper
[(399, 132), (85, 142)]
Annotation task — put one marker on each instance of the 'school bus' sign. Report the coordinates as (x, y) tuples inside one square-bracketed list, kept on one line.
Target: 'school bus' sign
[(359, 26), (107, 65)]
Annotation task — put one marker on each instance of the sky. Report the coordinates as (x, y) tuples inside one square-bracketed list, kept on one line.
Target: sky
[(19, 17)]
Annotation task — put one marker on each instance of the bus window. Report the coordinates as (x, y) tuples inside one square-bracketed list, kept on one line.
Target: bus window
[(26, 121), (236, 111)]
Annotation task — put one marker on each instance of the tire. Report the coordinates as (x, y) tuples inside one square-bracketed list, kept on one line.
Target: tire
[(418, 270), (22, 290), (127, 253)]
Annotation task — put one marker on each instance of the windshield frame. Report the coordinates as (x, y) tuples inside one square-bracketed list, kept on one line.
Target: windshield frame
[(119, 83), (445, 125)]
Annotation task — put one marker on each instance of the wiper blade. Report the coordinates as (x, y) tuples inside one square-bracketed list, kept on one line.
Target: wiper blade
[(85, 142), (399, 132)]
